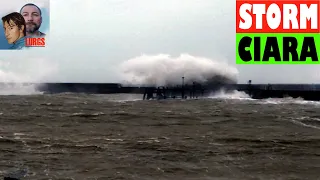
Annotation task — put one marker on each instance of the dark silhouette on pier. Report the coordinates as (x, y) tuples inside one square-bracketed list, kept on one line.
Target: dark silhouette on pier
[(187, 90)]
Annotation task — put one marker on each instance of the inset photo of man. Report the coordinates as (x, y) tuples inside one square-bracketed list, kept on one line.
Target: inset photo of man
[(24, 24)]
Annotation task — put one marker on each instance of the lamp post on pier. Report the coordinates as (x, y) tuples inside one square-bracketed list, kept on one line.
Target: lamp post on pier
[(182, 89), (182, 81)]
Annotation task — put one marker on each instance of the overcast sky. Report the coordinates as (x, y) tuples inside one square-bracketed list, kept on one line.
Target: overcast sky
[(88, 39)]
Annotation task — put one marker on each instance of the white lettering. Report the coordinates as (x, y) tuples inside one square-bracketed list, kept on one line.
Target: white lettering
[(274, 16), (245, 16), (308, 14), (290, 12), (258, 10), (273, 22)]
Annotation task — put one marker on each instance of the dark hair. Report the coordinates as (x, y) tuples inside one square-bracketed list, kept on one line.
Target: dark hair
[(18, 20), (31, 4)]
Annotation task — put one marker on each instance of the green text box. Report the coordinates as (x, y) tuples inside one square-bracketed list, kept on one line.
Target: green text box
[(263, 36)]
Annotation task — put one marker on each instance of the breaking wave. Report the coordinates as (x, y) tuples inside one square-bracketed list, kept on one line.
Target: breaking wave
[(18, 77), (222, 94), (164, 70)]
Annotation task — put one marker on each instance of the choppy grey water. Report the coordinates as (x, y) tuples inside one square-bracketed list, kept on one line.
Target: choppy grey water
[(76, 136)]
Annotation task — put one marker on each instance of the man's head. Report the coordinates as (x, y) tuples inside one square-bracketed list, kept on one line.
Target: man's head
[(14, 27), (32, 16)]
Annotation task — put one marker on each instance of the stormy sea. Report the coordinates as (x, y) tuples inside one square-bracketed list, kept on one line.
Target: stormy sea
[(82, 136)]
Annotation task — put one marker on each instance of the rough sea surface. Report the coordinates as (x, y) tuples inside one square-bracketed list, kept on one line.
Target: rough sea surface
[(78, 136)]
